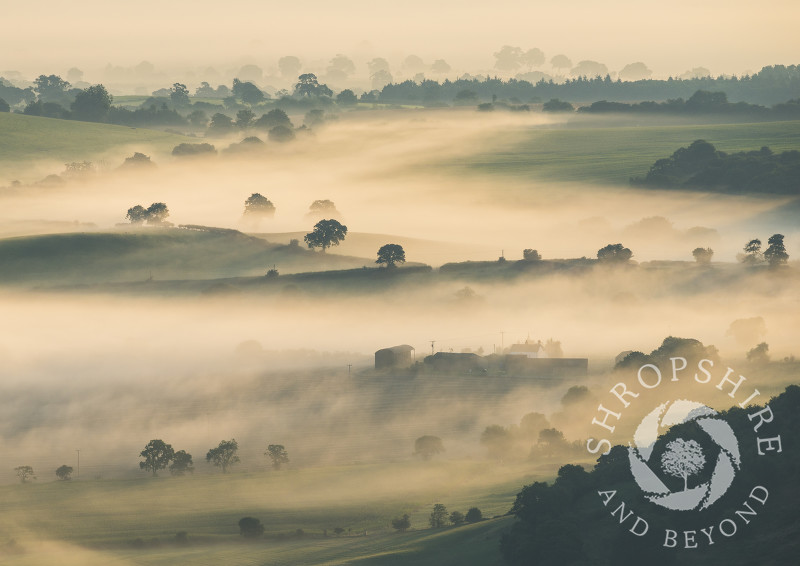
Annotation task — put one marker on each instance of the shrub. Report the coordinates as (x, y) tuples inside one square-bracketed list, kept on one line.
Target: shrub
[(250, 527)]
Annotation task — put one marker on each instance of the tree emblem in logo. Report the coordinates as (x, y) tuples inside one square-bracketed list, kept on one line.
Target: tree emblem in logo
[(683, 458)]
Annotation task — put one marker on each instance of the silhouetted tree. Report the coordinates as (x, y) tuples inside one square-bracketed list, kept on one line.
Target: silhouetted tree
[(391, 254), (275, 117), (401, 524), (556, 105), (277, 453), (220, 124), (531, 255), (473, 515), (181, 463), (64, 473), (224, 456), (533, 57), (259, 205), (157, 213), (247, 92), (24, 473), (457, 518), (92, 104), (346, 98), (194, 149), (136, 214), (428, 446), (776, 254), (250, 527), (703, 255), (759, 354), (438, 516), (179, 94), (614, 253), (326, 233), (308, 85), (281, 134), (244, 118), (752, 252), (157, 456), (197, 118)]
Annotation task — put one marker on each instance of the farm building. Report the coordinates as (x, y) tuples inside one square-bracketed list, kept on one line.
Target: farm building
[(394, 357), (528, 349)]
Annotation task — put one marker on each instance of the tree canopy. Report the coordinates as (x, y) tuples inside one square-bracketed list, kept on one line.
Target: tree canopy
[(157, 456), (391, 254), (277, 453), (224, 456), (326, 233), (614, 253)]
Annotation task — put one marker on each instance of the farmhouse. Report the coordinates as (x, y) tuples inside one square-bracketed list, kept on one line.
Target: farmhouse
[(395, 357)]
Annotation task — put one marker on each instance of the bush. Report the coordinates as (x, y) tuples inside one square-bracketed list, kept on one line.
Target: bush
[(402, 524), (473, 515), (250, 527), (189, 149)]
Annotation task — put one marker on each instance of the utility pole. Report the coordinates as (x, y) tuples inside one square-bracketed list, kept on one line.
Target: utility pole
[(432, 343), (79, 461), (502, 341), (348, 369)]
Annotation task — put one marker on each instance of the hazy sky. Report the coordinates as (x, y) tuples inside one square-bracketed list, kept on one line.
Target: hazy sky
[(726, 36)]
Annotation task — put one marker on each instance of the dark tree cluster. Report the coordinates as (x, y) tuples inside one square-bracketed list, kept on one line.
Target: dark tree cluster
[(155, 214), (701, 102), (702, 166), (158, 455), (561, 523)]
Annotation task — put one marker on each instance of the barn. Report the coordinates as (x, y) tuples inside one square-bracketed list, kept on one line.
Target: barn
[(394, 357)]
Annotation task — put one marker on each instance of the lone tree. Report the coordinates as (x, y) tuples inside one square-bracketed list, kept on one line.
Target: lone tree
[(614, 253), (776, 254), (277, 453), (179, 94), (529, 254), (326, 233), (438, 516), (752, 252), (157, 456), (64, 473), (258, 205), (703, 255), (401, 524), (682, 459), (224, 455), (250, 527), (25, 473), (322, 206), (181, 463), (391, 254), (428, 446)]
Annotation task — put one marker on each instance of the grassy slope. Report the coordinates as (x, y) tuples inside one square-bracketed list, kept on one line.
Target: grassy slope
[(611, 155), (101, 520), (26, 139), (166, 253)]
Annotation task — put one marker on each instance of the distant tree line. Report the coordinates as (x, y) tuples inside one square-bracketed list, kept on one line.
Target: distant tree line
[(701, 102), (701, 165), (771, 85)]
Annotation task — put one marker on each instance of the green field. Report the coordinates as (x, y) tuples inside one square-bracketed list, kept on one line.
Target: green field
[(611, 155), (24, 140), (135, 521), (137, 254)]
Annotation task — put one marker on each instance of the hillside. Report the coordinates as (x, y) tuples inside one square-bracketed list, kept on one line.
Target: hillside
[(24, 140), (599, 153), (138, 255)]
